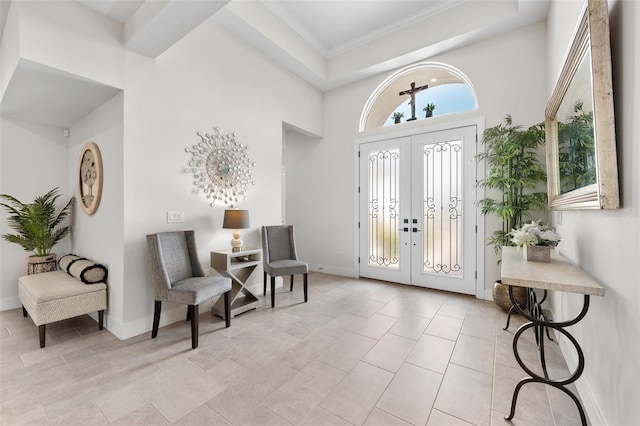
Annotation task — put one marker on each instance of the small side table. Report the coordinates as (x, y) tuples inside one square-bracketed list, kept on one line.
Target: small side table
[(238, 266)]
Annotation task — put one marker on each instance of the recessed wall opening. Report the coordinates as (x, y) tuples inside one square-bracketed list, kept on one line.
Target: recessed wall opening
[(441, 88)]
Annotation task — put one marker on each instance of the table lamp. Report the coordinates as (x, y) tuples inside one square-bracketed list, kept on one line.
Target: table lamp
[(236, 220)]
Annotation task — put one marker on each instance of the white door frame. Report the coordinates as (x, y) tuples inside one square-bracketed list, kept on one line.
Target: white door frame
[(409, 130)]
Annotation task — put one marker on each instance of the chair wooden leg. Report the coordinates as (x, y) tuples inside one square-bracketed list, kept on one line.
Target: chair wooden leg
[(227, 309), (101, 319), (156, 318), (194, 325), (41, 329), (306, 281), (291, 286), (188, 315), (264, 287), (273, 292), (24, 311)]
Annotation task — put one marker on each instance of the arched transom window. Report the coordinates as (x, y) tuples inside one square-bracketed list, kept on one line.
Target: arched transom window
[(438, 89)]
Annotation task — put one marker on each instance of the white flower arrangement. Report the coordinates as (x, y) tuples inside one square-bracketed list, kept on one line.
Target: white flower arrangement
[(534, 234)]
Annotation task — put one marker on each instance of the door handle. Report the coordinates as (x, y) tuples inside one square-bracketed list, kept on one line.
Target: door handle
[(416, 230), (404, 229)]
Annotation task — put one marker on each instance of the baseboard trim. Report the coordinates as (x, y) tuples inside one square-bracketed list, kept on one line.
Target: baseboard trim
[(9, 303), (589, 402), (326, 269)]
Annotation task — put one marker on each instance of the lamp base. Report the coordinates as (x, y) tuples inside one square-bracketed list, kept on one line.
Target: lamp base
[(236, 243)]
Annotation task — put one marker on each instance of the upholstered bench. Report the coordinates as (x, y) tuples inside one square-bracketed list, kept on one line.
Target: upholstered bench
[(78, 288)]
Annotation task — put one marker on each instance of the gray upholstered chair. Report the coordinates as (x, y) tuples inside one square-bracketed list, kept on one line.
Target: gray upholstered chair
[(178, 277), (279, 258)]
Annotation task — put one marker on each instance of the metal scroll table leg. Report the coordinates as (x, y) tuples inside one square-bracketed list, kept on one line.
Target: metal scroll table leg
[(540, 324)]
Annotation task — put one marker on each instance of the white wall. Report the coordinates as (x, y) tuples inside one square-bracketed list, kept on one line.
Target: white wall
[(508, 72), (99, 236), (207, 79), (33, 161), (606, 244)]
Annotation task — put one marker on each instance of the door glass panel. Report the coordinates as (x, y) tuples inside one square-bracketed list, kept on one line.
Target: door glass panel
[(442, 208), (383, 208)]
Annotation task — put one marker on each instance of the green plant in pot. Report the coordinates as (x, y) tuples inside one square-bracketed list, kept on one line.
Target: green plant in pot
[(397, 116), (429, 110), (37, 227), (515, 172)]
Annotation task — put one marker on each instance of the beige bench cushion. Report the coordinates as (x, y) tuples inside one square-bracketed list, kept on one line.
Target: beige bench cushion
[(54, 296)]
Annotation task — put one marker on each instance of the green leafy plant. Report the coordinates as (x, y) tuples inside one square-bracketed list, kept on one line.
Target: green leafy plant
[(398, 114), (576, 150), (511, 155), (429, 107), (36, 223)]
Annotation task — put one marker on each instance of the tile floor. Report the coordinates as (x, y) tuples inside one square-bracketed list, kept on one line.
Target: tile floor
[(359, 352)]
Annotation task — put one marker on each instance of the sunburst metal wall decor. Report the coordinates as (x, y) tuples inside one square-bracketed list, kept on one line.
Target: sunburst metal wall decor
[(221, 168)]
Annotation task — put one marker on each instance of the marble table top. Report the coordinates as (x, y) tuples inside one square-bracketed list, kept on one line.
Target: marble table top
[(558, 275)]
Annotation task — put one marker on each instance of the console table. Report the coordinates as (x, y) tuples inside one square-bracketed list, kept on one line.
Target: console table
[(558, 275), (238, 266)]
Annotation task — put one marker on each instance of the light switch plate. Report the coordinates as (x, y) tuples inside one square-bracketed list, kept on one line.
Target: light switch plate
[(175, 216)]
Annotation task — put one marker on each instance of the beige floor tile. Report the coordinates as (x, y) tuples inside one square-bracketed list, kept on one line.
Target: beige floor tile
[(288, 365), (308, 350), (396, 308), (532, 406), (376, 326), (474, 352), (202, 415), (425, 308), (455, 309), (83, 414), (261, 416), (465, 394), (483, 328), (380, 418), (240, 397), (354, 397), (411, 394), (119, 403), (445, 327), (563, 408), (390, 352), (497, 419), (348, 351), (143, 416), (438, 418), (410, 326), (432, 352), (321, 417), (294, 400)]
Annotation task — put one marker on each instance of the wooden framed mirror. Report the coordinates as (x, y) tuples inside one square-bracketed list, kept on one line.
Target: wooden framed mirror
[(582, 166), (90, 178)]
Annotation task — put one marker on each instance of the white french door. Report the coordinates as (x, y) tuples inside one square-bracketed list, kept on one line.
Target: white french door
[(417, 214)]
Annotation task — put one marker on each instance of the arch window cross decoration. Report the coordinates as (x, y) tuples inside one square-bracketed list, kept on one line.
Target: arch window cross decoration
[(435, 88)]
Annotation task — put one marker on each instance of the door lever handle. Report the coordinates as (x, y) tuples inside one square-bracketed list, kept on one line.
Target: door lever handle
[(416, 230), (404, 229)]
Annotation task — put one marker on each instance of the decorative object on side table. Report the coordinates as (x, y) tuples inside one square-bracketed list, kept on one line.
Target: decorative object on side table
[(236, 220), (90, 178), (37, 228), (221, 168), (536, 241)]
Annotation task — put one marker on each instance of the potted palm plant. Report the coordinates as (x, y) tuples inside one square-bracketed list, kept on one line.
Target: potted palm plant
[(37, 227), (515, 172), (397, 116)]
